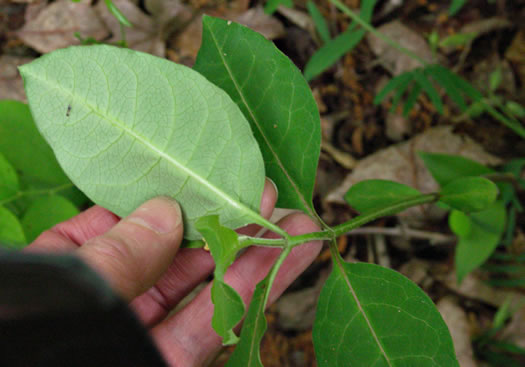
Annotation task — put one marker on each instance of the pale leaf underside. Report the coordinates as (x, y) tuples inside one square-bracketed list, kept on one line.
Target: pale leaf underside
[(127, 126)]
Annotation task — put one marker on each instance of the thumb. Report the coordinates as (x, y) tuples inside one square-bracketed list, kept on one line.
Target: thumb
[(139, 249)]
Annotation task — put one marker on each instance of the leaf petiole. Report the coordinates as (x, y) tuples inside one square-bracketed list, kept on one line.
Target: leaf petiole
[(343, 228)]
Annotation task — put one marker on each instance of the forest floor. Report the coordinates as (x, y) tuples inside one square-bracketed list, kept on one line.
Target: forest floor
[(360, 140)]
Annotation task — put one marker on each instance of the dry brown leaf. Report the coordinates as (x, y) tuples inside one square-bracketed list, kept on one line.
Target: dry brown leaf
[(259, 21), (457, 322), (11, 85), (54, 27), (299, 18), (149, 32), (392, 59), (189, 41), (296, 310), (473, 287), (400, 163)]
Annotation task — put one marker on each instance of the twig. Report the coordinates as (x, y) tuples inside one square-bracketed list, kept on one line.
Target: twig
[(433, 237)]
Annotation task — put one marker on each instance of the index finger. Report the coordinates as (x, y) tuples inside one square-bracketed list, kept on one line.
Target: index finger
[(71, 234)]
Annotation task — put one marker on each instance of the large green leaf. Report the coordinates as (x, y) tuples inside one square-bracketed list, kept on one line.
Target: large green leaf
[(128, 126), (11, 231), (228, 305), (374, 194), (476, 245), (334, 49), (23, 146), (275, 99), (446, 167), (31, 156), (369, 316), (44, 213), (469, 194), (8, 179)]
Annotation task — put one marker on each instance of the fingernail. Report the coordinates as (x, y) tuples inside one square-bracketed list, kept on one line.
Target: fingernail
[(161, 215), (274, 186)]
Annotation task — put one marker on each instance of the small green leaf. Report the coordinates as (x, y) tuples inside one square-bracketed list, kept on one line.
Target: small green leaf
[(8, 179), (271, 5), (319, 21), (515, 108), (117, 14), (487, 228), (224, 246), (458, 39), (169, 131), (469, 194), (393, 84), (44, 213), (495, 79), (370, 195), (372, 316), (411, 99), (429, 89), (459, 223), (450, 84), (247, 352), (334, 49), (456, 6), (276, 100), (11, 231), (446, 168), (400, 92)]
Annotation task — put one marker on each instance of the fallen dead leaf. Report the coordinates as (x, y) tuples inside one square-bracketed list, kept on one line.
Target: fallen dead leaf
[(397, 126), (299, 18), (400, 163), (473, 287), (457, 322), (188, 42), (149, 32), (256, 19), (11, 84), (54, 26), (392, 59), (296, 310)]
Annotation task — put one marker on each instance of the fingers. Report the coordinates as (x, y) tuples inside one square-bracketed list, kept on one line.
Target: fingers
[(187, 338), (268, 200), (68, 235), (137, 251), (190, 268)]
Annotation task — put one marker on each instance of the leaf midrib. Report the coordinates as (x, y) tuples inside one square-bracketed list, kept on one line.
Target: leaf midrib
[(144, 141), (338, 261), (258, 125)]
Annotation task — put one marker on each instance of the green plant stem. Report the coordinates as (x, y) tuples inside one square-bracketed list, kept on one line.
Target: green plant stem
[(21, 194), (346, 227), (273, 272)]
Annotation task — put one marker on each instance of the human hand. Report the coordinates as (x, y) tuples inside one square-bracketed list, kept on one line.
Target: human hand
[(140, 257)]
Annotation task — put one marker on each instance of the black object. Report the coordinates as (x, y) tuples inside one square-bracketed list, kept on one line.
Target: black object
[(55, 311)]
